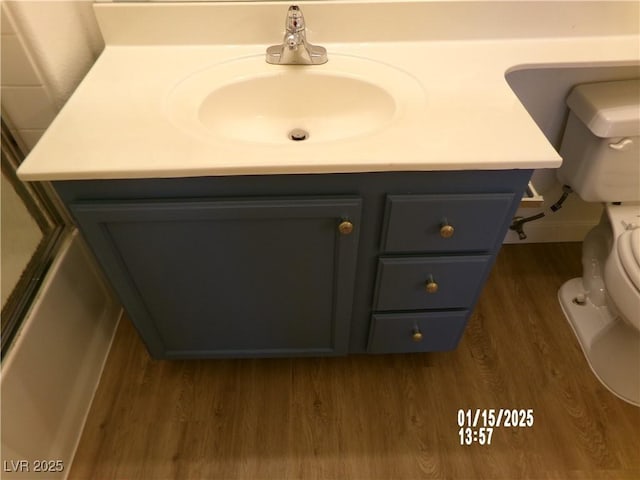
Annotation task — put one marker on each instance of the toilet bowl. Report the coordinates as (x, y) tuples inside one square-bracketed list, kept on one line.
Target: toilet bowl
[(603, 306), (601, 162)]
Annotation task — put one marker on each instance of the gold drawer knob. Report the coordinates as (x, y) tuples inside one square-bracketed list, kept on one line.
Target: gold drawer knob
[(345, 227), (431, 286), (416, 336), (446, 230)]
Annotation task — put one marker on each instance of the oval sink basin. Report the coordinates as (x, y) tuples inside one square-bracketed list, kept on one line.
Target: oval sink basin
[(268, 108), (248, 100)]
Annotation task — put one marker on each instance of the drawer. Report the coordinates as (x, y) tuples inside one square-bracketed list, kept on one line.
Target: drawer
[(402, 282), (416, 332), (472, 222)]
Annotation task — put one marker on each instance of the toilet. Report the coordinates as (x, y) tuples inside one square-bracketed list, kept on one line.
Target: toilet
[(601, 163)]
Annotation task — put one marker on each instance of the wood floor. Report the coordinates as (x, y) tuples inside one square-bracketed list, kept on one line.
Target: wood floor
[(375, 417)]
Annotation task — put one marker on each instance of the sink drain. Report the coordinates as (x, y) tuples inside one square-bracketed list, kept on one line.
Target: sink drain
[(298, 135)]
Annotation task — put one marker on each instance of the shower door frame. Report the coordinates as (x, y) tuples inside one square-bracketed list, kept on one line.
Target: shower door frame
[(54, 222)]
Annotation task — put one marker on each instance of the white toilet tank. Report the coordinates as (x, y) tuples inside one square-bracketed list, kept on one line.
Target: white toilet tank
[(601, 144)]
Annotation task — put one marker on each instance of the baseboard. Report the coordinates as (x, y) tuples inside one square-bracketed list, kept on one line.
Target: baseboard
[(51, 372)]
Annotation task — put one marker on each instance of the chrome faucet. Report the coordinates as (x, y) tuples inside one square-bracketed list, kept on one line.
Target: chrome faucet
[(295, 50)]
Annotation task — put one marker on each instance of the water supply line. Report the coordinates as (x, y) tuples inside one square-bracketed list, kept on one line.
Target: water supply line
[(518, 222)]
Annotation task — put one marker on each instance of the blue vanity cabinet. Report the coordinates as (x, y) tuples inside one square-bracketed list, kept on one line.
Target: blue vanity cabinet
[(231, 277), (258, 265)]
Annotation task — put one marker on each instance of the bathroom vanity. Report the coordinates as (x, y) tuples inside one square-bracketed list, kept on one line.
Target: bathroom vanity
[(298, 264), (225, 236)]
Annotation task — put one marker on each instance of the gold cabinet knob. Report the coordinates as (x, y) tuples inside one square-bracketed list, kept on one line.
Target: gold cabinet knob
[(446, 230), (345, 227), (416, 336), (431, 286)]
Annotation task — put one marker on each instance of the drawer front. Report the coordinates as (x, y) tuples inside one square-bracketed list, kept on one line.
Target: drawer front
[(406, 283), (416, 332), (472, 222)]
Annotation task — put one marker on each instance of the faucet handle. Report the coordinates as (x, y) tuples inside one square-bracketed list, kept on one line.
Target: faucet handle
[(295, 20)]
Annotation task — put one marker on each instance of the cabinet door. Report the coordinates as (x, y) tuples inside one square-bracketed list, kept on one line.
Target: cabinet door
[(230, 278)]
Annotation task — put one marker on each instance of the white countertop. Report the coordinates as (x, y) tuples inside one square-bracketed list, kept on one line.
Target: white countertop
[(115, 125)]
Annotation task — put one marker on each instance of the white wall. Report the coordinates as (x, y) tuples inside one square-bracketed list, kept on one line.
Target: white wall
[(47, 48), (51, 371)]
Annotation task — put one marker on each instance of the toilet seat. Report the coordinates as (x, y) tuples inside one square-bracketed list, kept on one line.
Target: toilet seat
[(629, 254)]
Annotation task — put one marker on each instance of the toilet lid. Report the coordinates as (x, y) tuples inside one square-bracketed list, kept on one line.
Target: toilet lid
[(629, 252)]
